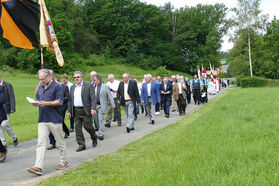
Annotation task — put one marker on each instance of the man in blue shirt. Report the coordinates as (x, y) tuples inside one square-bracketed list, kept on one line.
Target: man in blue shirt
[(50, 101)]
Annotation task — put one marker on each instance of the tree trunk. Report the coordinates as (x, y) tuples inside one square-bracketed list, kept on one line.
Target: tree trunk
[(250, 58)]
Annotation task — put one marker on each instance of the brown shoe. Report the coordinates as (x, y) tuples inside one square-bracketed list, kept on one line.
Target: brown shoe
[(35, 170), (51, 147), (62, 166)]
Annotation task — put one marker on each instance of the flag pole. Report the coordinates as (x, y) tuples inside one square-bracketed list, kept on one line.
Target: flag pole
[(42, 56)]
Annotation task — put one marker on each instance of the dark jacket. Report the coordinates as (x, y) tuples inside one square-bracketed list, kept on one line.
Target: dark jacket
[(87, 96), (3, 99), (10, 95), (133, 92), (166, 97), (188, 86), (65, 98)]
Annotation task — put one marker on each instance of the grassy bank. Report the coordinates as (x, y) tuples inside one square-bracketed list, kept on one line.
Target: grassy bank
[(232, 140), (24, 121)]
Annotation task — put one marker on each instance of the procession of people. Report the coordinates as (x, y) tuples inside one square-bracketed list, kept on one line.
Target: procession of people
[(87, 103)]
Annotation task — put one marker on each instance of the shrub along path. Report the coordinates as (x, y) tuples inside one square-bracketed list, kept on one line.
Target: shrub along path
[(13, 171)]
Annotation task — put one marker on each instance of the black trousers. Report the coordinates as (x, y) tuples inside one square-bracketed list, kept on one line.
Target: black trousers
[(197, 96), (82, 120), (204, 99), (2, 148), (189, 97)]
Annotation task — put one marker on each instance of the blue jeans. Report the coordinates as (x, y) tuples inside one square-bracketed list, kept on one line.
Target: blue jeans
[(166, 104), (157, 107), (114, 115)]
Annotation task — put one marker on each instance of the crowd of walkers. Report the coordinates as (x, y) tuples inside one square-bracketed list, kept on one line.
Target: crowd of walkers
[(86, 103)]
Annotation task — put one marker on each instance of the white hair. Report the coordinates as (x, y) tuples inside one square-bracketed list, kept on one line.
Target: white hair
[(110, 76), (148, 75), (93, 73), (126, 74)]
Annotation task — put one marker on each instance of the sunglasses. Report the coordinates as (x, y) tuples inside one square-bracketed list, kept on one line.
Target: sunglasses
[(77, 77)]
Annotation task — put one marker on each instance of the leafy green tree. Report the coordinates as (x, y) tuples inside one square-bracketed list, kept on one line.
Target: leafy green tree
[(248, 17), (199, 34)]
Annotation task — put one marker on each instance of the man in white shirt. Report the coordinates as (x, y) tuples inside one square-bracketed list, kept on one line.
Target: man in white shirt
[(113, 85), (66, 81), (128, 96), (82, 106), (150, 96)]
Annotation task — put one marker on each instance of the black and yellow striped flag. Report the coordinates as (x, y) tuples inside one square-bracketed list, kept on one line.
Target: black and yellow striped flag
[(19, 22)]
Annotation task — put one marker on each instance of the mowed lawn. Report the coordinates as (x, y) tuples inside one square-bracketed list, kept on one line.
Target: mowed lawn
[(233, 140), (24, 120)]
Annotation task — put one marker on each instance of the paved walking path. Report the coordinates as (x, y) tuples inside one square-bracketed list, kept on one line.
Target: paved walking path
[(13, 170)]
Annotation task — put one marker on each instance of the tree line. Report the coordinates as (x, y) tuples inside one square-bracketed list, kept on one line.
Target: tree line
[(256, 42), (129, 30)]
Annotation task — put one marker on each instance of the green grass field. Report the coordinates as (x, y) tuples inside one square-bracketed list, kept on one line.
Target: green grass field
[(24, 121), (232, 140)]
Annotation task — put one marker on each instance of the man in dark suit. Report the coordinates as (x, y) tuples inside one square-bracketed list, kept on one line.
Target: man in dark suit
[(10, 109), (166, 92), (128, 96), (3, 117), (188, 89), (82, 105)]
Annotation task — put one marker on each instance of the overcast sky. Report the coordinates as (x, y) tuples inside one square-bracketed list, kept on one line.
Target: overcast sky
[(267, 6)]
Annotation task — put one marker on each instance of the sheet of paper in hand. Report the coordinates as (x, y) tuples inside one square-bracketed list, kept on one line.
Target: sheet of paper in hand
[(32, 101)]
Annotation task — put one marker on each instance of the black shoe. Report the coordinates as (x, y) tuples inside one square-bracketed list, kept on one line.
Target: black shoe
[(128, 130), (15, 142), (114, 120), (152, 122), (119, 123), (81, 149), (96, 129), (94, 143), (66, 136), (168, 116), (132, 128), (100, 137), (72, 130), (108, 125), (136, 117), (3, 156)]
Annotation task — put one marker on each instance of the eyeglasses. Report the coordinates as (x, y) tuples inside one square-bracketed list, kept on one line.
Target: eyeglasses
[(77, 77), (43, 79)]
